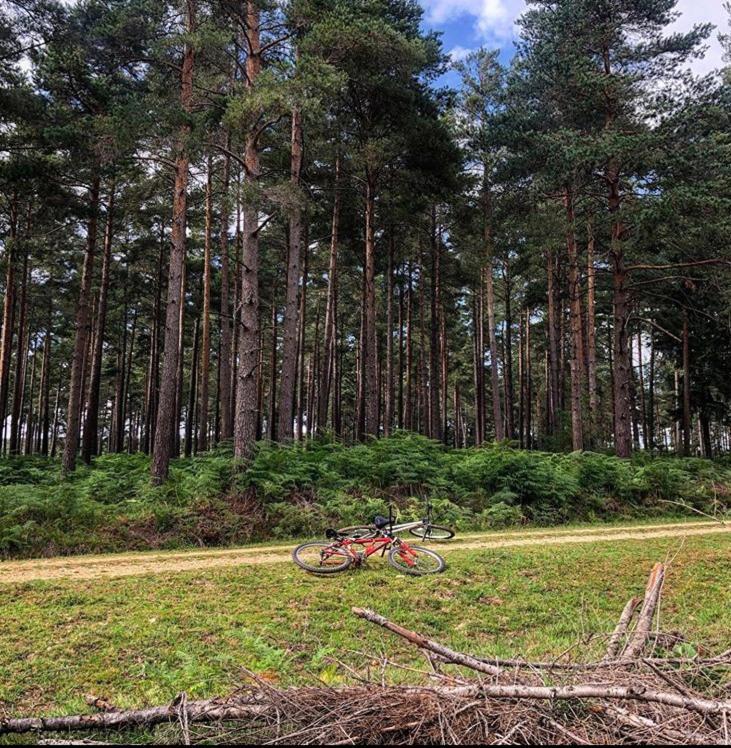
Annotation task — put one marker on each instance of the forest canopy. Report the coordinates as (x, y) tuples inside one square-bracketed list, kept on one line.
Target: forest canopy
[(233, 222)]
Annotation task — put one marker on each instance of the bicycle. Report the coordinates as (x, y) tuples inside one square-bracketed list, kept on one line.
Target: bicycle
[(342, 551), (424, 528)]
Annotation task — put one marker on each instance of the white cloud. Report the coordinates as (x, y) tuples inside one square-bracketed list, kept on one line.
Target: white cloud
[(494, 22), (704, 11), (457, 54)]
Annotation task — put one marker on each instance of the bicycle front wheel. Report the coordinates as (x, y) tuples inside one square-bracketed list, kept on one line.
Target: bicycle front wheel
[(321, 558), (415, 560), (433, 532)]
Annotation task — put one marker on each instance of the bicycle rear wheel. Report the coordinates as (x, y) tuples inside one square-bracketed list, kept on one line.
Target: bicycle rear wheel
[(437, 533), (416, 561), (321, 558)]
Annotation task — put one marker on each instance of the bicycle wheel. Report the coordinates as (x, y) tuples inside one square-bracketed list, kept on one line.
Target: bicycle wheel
[(321, 558), (358, 531), (416, 561), (433, 532)]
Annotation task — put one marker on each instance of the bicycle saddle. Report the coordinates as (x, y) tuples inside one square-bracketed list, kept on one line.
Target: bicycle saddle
[(381, 522)]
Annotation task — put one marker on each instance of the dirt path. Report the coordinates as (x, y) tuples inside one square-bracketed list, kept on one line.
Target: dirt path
[(138, 564)]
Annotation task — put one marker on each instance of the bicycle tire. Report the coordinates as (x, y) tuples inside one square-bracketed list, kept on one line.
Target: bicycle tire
[(396, 553), (427, 533), (297, 556)]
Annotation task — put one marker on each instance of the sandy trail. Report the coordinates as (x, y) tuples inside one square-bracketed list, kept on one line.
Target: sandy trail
[(139, 564)]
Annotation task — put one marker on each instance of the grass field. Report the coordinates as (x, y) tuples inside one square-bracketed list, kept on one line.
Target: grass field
[(138, 641)]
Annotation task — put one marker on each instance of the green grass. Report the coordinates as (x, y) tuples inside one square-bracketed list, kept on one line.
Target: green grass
[(139, 641)]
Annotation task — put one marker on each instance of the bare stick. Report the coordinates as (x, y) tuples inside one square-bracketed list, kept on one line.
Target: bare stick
[(211, 710), (457, 658), (615, 640), (644, 623)]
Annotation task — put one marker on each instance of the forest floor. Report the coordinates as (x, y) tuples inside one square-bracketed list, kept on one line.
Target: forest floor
[(140, 640), (138, 564)]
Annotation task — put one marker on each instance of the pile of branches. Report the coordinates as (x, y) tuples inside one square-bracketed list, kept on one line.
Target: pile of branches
[(630, 696)]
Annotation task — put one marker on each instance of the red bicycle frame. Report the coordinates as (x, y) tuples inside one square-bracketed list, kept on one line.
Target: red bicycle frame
[(373, 545)]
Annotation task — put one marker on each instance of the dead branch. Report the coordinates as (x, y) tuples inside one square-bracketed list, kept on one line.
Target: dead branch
[(644, 623), (457, 658), (619, 633), (210, 710)]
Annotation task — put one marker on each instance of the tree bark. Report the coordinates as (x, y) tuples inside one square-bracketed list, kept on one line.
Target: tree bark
[(508, 356), (246, 386), (686, 385), (390, 398), (368, 344), (6, 339), (435, 419), (189, 446), (205, 343), (272, 416), (591, 330), (577, 347), (167, 412), (21, 357), (301, 343), (330, 321), (83, 329), (497, 410), (291, 309), (224, 358), (90, 445)]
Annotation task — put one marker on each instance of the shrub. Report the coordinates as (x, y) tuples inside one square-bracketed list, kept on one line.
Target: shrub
[(501, 515), (302, 489)]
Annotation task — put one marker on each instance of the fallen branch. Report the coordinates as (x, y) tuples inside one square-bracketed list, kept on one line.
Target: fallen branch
[(210, 710), (457, 658), (620, 632), (649, 605)]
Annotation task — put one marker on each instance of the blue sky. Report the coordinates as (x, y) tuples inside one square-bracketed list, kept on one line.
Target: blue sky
[(467, 24)]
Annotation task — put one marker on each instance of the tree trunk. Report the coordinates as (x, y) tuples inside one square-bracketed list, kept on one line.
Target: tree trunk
[(224, 358), (301, 343), (390, 393), (497, 411), (368, 343), (508, 357), (435, 419), (330, 321), (246, 386), (577, 347), (408, 403), (189, 447), (153, 371), (6, 339), (45, 394), (686, 385), (127, 390), (83, 330), (90, 446), (591, 332), (272, 416), (167, 412), (28, 448), (205, 344), (291, 309), (20, 363), (553, 344)]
